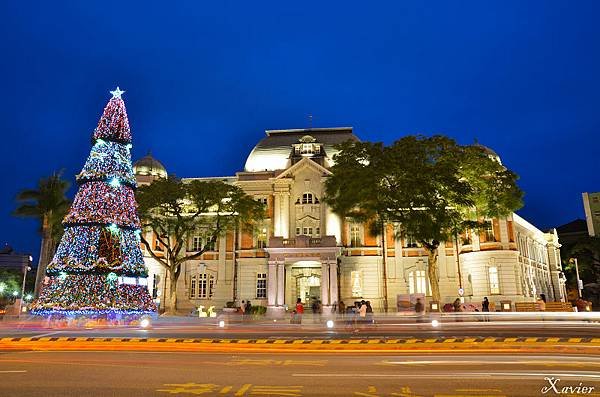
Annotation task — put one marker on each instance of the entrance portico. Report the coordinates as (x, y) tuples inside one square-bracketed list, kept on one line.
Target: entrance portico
[(296, 266)]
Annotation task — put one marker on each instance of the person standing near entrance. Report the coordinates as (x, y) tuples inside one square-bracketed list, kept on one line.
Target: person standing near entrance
[(299, 311)]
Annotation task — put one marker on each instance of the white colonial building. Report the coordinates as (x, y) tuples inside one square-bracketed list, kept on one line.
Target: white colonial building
[(303, 250)]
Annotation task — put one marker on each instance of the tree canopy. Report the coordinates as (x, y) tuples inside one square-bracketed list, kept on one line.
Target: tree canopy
[(175, 210), (431, 187)]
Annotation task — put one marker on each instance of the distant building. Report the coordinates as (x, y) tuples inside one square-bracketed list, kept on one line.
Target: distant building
[(11, 260), (303, 250), (572, 232), (591, 206)]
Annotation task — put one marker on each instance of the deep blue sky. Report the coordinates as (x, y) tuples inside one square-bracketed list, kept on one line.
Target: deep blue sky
[(205, 79)]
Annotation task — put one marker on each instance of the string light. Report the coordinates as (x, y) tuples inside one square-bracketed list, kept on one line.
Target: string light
[(100, 245)]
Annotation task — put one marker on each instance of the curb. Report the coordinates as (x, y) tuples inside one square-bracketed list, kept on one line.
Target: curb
[(369, 341)]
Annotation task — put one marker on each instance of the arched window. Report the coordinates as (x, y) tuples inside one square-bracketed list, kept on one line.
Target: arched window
[(308, 198)]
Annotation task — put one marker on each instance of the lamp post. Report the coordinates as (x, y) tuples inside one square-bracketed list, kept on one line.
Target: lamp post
[(579, 286), (25, 270)]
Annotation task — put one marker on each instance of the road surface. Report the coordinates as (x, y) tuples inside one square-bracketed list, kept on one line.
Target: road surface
[(132, 374)]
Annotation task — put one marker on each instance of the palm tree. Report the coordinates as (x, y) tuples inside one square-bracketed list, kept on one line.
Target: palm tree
[(49, 204)]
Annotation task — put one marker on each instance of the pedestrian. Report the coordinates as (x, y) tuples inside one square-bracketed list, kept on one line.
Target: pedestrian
[(419, 307), (248, 308), (457, 305), (342, 308), (369, 312), (485, 307), (243, 307), (299, 311), (541, 302), (362, 311)]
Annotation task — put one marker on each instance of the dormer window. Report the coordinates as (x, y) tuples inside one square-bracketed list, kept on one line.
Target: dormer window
[(308, 198), (307, 146)]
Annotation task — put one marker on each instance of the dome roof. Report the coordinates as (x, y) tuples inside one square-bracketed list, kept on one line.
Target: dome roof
[(148, 165), (273, 152), (490, 152)]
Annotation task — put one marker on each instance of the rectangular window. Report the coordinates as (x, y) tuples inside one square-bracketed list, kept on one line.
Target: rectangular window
[(210, 245), (317, 231), (410, 241), (261, 286), (417, 282), (489, 233), (196, 243), (494, 282), (201, 286), (466, 238), (355, 237), (262, 200), (261, 238), (298, 231)]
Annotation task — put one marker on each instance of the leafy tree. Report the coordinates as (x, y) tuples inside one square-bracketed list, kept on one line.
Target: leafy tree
[(49, 204), (587, 252), (430, 187), (174, 210)]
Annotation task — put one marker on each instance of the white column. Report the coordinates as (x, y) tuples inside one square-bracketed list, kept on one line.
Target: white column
[(272, 284), (285, 215), (280, 284), (333, 283), (325, 283), (277, 215)]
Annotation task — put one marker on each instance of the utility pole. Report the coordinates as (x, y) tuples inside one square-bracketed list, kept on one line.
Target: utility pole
[(579, 283)]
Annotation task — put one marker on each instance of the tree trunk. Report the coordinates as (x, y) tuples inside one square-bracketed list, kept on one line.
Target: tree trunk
[(171, 302), (46, 253), (432, 272)]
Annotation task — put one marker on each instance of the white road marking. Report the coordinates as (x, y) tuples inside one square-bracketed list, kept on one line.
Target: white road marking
[(13, 372), (47, 334), (516, 374)]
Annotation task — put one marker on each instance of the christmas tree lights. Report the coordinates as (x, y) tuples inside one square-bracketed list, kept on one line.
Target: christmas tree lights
[(98, 268)]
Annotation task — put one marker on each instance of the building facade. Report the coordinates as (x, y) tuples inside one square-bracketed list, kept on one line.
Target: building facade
[(303, 250), (591, 206)]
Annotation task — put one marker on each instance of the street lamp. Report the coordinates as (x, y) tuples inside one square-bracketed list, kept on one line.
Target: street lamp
[(579, 283), (25, 270)]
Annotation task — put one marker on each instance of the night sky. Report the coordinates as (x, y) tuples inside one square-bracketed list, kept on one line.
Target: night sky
[(205, 79)]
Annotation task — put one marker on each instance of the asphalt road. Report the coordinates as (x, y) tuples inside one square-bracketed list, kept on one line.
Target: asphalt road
[(279, 330), (128, 374)]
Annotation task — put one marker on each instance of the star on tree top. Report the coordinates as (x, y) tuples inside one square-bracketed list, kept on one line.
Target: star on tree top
[(117, 93)]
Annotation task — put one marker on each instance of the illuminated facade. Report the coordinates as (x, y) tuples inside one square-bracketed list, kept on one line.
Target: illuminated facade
[(303, 250)]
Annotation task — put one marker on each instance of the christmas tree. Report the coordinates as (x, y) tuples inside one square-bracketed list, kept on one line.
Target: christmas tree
[(98, 267)]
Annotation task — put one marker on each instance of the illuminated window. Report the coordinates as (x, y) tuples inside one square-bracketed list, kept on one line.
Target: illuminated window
[(494, 282), (261, 286), (355, 236), (417, 282), (261, 238), (307, 148), (201, 286), (489, 232), (357, 284)]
